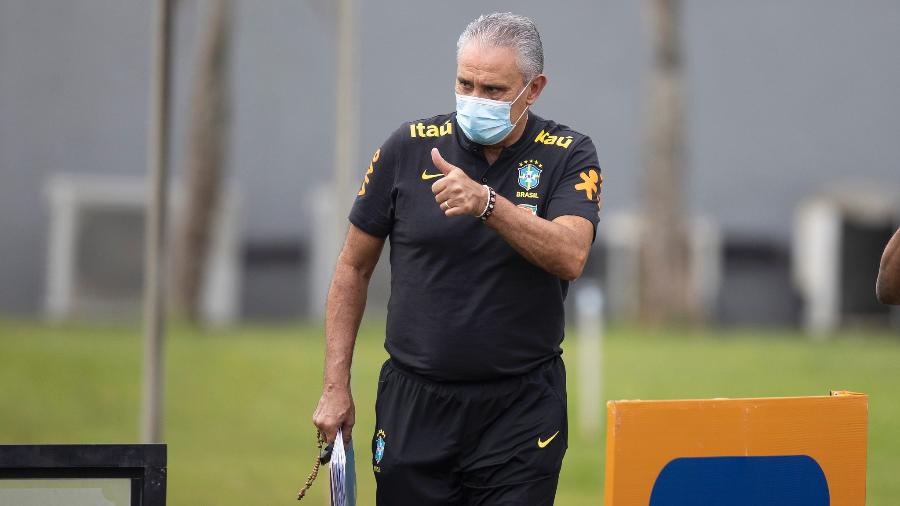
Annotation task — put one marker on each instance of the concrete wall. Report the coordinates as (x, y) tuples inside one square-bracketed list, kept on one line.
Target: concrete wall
[(784, 98)]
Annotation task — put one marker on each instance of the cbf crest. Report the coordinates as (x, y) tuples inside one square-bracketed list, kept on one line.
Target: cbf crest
[(379, 446), (530, 174)]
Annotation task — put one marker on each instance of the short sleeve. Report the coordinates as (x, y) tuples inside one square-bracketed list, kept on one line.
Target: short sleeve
[(373, 209), (578, 190)]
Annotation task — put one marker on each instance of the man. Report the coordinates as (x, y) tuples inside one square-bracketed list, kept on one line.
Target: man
[(888, 286), (491, 211)]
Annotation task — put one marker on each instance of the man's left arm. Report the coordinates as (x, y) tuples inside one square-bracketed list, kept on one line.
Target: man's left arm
[(887, 288), (559, 245)]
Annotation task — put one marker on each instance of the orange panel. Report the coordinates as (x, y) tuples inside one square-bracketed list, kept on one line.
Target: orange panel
[(643, 436)]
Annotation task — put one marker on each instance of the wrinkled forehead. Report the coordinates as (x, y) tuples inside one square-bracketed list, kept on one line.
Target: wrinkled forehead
[(478, 60)]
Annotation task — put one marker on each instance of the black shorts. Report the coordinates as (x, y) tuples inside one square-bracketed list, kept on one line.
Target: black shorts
[(499, 442)]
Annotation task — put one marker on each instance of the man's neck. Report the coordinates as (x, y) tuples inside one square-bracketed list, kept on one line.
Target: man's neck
[(492, 153)]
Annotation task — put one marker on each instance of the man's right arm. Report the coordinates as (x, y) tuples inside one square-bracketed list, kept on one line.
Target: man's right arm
[(343, 313), (887, 287)]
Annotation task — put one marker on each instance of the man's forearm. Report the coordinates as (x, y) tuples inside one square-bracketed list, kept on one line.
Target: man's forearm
[(888, 285), (551, 246), (560, 247), (343, 313)]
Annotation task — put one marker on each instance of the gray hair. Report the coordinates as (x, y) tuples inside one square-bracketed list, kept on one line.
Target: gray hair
[(505, 29)]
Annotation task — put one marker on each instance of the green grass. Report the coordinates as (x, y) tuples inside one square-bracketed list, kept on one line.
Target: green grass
[(239, 403)]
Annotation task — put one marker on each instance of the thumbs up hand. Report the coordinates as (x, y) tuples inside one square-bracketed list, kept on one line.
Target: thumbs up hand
[(456, 193)]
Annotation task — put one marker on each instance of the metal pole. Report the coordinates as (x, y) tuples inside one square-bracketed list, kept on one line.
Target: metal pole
[(347, 106), (331, 209), (155, 242)]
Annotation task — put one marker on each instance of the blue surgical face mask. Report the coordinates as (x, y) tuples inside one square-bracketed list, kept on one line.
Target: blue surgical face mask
[(486, 121)]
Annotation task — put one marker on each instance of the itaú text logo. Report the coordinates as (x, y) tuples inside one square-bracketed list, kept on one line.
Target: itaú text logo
[(423, 130), (553, 140), (788, 480)]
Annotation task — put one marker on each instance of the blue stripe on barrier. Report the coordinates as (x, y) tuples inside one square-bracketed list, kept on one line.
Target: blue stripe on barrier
[(795, 480)]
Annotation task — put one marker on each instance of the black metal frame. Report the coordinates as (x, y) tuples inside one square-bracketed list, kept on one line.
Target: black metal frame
[(144, 465)]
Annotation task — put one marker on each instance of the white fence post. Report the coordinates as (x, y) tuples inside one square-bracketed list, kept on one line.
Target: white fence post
[(589, 309)]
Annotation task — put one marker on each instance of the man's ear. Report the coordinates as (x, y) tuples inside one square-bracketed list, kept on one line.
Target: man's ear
[(535, 89)]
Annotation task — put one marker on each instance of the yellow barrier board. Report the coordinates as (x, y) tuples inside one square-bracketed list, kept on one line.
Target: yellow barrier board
[(799, 451)]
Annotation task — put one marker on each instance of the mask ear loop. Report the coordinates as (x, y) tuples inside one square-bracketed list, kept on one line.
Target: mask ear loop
[(517, 98)]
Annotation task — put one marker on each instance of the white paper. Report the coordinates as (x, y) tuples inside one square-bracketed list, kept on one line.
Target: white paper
[(343, 473)]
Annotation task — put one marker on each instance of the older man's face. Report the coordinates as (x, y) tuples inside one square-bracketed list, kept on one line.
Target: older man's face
[(491, 72)]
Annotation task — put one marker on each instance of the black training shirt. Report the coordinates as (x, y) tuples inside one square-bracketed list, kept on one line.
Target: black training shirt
[(464, 305)]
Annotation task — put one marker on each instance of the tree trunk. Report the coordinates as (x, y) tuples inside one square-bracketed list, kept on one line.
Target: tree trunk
[(206, 157), (666, 292)]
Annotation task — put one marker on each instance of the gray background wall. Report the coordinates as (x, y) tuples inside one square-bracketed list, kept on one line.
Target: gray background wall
[(784, 98)]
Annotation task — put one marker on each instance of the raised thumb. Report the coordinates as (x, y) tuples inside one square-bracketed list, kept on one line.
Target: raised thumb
[(442, 165)]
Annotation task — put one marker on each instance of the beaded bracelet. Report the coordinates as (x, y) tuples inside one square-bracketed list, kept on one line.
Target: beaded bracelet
[(489, 207)]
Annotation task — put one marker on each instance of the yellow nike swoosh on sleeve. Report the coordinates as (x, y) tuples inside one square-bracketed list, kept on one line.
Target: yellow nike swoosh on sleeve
[(426, 176), (543, 444)]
